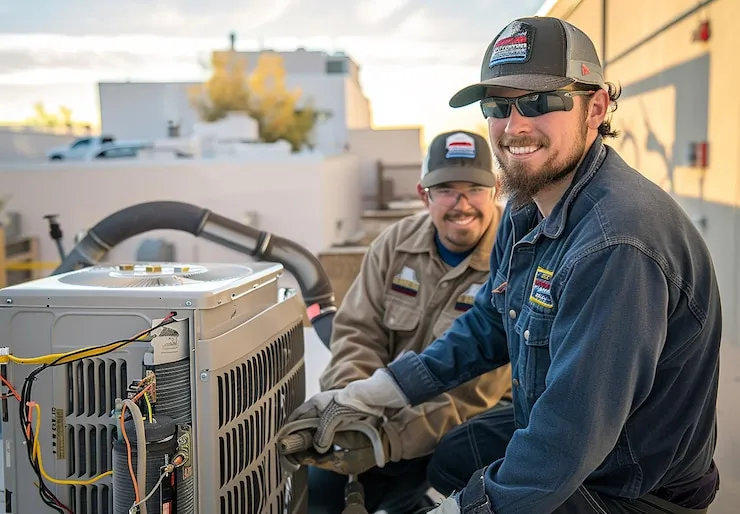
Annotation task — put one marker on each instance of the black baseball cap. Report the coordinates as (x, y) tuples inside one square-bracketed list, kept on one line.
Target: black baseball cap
[(458, 156), (535, 54)]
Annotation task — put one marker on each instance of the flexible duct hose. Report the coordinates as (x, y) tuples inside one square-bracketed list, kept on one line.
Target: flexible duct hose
[(167, 215)]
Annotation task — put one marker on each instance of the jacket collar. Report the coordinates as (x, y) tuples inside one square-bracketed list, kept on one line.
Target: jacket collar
[(555, 223)]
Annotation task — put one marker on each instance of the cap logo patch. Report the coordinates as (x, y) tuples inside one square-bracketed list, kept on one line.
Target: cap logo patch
[(513, 45), (460, 145), (584, 70)]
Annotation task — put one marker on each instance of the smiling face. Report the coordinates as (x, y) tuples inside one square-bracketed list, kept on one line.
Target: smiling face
[(460, 211), (534, 153)]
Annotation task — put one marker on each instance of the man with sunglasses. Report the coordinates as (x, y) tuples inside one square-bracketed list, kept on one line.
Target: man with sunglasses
[(417, 277), (602, 296)]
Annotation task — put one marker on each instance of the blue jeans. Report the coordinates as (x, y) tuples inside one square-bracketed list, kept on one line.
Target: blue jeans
[(465, 450), (471, 446), (397, 488)]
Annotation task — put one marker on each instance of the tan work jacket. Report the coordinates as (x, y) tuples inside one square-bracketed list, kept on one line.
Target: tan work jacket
[(405, 297)]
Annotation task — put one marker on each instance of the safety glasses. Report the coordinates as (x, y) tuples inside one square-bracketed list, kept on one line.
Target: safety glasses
[(531, 104), (448, 197)]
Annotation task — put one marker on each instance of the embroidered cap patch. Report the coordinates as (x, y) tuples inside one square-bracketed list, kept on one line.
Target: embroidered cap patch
[(513, 45), (541, 294), (405, 282), (460, 145)]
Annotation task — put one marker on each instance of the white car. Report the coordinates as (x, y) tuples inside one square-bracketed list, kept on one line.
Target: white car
[(79, 148), (133, 150)]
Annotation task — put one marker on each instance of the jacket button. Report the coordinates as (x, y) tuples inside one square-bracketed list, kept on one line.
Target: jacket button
[(526, 335), (515, 382), (512, 314)]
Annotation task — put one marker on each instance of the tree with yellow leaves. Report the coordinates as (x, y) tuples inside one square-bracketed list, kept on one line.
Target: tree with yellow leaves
[(44, 118), (226, 90), (262, 94)]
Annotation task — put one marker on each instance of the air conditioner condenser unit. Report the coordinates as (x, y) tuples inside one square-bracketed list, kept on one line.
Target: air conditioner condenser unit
[(162, 385)]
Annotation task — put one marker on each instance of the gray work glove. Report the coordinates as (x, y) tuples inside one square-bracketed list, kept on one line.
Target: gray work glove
[(449, 506), (360, 399), (313, 407), (352, 453)]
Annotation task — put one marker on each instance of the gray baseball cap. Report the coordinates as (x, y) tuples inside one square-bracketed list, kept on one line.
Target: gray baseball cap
[(458, 156), (535, 54)]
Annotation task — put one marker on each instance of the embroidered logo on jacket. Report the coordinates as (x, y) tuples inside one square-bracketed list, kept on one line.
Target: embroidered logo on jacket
[(541, 294), (405, 282), (465, 301)]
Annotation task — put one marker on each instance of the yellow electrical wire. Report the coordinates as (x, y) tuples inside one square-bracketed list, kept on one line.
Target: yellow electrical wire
[(148, 407), (36, 454), (93, 351)]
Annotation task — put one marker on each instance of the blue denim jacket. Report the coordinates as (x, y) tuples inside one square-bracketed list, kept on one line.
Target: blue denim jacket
[(609, 312)]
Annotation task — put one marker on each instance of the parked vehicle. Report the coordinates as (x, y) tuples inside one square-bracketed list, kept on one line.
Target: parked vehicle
[(79, 148)]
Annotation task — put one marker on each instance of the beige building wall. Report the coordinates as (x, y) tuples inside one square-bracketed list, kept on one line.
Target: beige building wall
[(312, 201), (676, 91), (27, 144), (392, 146)]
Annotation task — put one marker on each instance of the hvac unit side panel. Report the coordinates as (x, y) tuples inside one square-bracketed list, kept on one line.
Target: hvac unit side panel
[(76, 400), (249, 379), (243, 306)]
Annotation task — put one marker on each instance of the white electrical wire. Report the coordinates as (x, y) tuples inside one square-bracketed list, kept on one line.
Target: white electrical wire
[(145, 499), (140, 447)]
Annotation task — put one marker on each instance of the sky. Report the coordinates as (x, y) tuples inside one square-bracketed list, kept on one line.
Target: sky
[(413, 54)]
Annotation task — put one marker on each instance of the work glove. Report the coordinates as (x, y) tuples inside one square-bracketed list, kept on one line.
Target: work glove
[(313, 407), (353, 453), (450, 505), (360, 399)]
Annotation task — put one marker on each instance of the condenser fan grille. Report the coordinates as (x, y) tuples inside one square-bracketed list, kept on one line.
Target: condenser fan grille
[(154, 275)]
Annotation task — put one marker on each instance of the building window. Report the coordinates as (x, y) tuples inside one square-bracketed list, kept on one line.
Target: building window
[(336, 67)]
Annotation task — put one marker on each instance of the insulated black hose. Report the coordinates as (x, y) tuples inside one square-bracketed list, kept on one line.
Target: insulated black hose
[(138, 219), (129, 222)]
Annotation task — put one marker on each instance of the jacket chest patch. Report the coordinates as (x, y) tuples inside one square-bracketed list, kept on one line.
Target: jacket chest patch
[(465, 301), (405, 282), (540, 294)]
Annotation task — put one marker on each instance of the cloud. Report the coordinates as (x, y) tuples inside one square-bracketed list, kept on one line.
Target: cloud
[(20, 60), (419, 49), (276, 18), (132, 54), (376, 11)]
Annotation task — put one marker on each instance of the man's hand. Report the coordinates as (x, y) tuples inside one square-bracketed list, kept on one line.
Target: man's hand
[(357, 401), (313, 407), (330, 415), (353, 454), (449, 506)]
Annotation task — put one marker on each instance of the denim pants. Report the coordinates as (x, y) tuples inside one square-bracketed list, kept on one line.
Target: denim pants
[(467, 448), (396, 488)]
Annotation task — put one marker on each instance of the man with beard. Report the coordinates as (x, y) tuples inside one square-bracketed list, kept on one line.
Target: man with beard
[(416, 278), (602, 296)]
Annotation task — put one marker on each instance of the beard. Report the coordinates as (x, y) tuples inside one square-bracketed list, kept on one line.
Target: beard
[(463, 236), (521, 183)]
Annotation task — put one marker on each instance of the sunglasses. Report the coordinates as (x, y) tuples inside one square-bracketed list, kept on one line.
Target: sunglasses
[(531, 104)]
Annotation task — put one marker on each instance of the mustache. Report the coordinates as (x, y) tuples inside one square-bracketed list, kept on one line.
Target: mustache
[(456, 215), (506, 140)]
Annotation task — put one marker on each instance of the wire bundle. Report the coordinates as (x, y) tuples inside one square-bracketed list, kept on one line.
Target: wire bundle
[(26, 407)]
